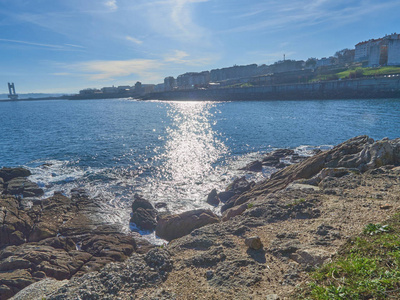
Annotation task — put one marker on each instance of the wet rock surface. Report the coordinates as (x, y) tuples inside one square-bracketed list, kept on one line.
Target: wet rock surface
[(57, 237)]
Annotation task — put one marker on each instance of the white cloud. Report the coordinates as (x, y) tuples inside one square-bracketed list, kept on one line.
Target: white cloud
[(111, 4), (111, 69), (135, 40)]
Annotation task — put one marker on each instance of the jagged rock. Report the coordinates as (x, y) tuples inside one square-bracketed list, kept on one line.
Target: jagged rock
[(143, 213), (253, 242), (139, 201), (233, 212), (255, 166), (225, 196), (212, 198), (144, 219), (43, 240), (23, 186), (10, 173), (174, 226)]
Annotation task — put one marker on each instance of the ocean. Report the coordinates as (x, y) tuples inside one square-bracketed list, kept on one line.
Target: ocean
[(174, 152)]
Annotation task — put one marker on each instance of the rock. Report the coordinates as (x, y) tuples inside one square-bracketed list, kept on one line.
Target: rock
[(255, 166), (240, 185), (143, 214), (212, 198), (272, 297), (23, 186), (36, 290), (312, 257), (225, 196), (43, 240), (174, 226), (144, 219), (386, 206), (253, 242), (139, 201), (11, 173), (233, 212)]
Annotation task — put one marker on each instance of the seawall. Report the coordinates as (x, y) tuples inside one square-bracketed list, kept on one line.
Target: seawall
[(378, 87)]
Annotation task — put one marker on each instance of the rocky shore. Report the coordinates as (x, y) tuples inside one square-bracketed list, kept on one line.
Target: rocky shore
[(269, 235)]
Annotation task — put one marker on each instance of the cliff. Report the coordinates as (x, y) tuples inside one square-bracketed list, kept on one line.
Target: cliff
[(271, 236)]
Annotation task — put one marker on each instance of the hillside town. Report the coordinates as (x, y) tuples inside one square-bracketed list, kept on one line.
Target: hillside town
[(384, 51)]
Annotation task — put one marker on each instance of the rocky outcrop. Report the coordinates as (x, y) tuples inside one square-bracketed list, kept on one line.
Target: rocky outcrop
[(361, 153), (170, 227), (13, 181), (58, 237), (143, 214)]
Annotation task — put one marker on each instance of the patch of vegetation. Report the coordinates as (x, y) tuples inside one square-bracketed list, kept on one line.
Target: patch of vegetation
[(367, 267), (359, 72), (296, 202), (249, 205)]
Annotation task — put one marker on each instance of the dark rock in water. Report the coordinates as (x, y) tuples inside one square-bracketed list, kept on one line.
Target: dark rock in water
[(174, 226), (160, 205), (144, 219), (139, 201), (270, 161), (212, 198), (240, 185), (255, 166), (143, 213), (10, 173), (225, 196), (23, 186)]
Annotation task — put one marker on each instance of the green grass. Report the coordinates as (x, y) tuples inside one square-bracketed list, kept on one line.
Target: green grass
[(367, 267), (370, 71)]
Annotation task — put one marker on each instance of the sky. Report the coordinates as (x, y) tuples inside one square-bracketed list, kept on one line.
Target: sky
[(63, 46)]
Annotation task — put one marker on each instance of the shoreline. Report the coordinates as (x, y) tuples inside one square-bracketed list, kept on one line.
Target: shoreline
[(301, 215)]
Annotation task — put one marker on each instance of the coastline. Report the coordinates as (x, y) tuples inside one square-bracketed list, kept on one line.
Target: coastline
[(302, 215)]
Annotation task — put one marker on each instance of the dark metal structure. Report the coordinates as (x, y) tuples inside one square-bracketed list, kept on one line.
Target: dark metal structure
[(11, 88)]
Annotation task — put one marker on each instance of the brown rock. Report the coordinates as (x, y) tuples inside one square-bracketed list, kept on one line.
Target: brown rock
[(253, 242), (212, 198), (174, 226), (233, 212)]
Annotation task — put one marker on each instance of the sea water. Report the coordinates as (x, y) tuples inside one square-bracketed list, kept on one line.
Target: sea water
[(172, 152)]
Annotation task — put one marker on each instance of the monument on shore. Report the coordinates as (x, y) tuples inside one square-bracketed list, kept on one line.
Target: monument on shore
[(12, 95)]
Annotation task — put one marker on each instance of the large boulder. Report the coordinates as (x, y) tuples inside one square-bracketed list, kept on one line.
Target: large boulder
[(10, 173), (213, 198), (143, 214), (175, 226)]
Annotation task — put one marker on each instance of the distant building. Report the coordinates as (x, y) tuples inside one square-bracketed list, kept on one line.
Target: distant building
[(192, 80), (159, 87), (169, 83), (324, 62), (233, 72), (109, 90), (89, 91), (378, 52)]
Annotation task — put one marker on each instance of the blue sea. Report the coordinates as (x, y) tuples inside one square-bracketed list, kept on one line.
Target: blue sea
[(173, 152)]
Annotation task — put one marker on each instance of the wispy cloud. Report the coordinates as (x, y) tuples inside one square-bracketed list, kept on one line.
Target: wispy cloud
[(111, 69), (32, 44), (111, 4), (144, 69), (277, 15), (135, 40)]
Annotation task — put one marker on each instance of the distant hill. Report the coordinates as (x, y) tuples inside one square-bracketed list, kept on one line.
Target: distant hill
[(31, 95)]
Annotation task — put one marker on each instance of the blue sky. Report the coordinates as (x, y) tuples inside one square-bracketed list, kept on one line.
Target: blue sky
[(63, 46)]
